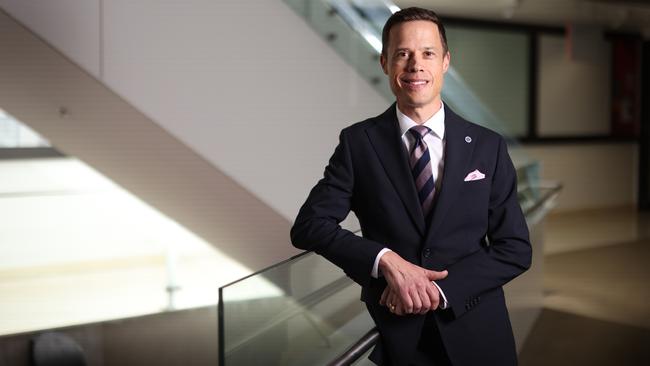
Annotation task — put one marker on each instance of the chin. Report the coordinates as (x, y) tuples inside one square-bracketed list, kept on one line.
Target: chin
[(417, 103)]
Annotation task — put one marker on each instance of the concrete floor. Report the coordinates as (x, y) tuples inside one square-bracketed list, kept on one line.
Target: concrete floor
[(596, 299)]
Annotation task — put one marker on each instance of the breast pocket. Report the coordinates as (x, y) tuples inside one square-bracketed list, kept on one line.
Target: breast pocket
[(476, 188)]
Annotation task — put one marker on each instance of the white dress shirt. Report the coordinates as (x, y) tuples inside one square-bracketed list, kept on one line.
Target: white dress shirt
[(436, 145)]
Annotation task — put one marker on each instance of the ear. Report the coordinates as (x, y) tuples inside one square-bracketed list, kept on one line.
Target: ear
[(382, 61), (446, 59)]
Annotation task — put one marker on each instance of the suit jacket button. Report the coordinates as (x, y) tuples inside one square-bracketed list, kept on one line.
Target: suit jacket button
[(426, 253)]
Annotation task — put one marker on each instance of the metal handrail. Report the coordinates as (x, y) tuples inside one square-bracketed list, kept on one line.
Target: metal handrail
[(357, 350)]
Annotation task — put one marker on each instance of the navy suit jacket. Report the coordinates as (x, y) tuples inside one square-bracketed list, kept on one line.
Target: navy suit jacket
[(476, 231)]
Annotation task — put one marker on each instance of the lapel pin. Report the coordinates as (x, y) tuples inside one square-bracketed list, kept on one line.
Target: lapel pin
[(468, 139)]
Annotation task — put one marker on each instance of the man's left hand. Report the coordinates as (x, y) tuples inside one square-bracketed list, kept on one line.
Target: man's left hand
[(392, 299)]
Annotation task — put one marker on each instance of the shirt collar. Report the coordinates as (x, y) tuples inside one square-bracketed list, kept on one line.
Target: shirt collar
[(436, 123)]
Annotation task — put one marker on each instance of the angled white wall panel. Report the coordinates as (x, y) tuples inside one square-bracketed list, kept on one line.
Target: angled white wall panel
[(247, 84), (242, 90), (107, 133), (70, 26)]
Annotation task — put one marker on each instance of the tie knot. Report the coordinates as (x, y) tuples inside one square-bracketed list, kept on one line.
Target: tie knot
[(419, 131)]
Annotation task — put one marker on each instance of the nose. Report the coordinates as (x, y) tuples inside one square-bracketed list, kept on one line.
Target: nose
[(414, 64)]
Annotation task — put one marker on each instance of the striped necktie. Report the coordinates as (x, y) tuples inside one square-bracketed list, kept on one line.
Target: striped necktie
[(421, 168)]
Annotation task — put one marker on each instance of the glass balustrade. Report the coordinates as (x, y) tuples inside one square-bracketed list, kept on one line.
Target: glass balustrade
[(304, 311)]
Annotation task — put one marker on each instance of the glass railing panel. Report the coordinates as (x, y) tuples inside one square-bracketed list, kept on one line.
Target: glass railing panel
[(527, 185), (364, 361), (357, 42), (301, 312)]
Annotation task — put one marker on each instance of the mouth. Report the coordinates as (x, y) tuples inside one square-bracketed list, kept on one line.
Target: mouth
[(414, 83)]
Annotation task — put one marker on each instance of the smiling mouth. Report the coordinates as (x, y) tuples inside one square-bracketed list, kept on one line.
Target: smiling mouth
[(414, 83)]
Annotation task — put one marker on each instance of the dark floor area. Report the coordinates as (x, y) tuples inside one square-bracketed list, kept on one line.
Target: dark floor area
[(597, 295), (560, 338)]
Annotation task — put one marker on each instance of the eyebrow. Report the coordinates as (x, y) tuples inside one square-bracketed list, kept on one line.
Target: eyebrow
[(431, 48)]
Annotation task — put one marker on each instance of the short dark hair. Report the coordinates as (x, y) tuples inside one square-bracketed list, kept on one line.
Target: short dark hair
[(408, 15)]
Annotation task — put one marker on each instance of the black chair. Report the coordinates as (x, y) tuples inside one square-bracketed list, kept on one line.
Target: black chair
[(56, 349)]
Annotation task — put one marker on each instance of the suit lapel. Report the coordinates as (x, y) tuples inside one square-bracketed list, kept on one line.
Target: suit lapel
[(457, 157), (387, 143)]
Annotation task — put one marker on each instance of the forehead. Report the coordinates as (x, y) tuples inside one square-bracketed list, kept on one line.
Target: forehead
[(414, 34)]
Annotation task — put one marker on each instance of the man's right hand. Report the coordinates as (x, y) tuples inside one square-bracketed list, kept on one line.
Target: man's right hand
[(409, 286)]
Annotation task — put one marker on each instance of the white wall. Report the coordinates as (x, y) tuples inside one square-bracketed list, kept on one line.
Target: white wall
[(246, 84), (574, 95), (71, 26), (117, 140), (593, 175), (574, 99)]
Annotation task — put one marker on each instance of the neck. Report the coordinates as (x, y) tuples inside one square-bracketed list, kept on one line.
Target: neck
[(420, 114)]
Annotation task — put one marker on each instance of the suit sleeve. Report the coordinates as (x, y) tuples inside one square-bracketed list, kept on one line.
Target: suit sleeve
[(317, 226), (508, 253)]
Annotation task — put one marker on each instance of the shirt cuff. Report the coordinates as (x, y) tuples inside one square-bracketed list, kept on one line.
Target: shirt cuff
[(443, 304), (375, 266)]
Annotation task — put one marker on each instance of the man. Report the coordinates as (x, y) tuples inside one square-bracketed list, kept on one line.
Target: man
[(436, 198)]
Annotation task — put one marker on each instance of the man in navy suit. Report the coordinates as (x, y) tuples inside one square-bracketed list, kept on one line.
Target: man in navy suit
[(436, 198)]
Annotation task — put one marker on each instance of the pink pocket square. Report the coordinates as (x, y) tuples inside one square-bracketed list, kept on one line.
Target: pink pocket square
[(475, 175)]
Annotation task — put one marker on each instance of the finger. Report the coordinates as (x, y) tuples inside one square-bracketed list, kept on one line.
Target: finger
[(433, 296), (399, 309), (435, 304), (417, 303), (398, 305), (426, 301), (433, 275), (406, 302)]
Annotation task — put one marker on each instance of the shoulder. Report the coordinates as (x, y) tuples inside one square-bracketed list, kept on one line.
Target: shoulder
[(387, 117), (481, 133), (360, 126)]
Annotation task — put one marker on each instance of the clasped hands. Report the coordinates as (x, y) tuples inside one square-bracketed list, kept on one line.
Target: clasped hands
[(410, 289)]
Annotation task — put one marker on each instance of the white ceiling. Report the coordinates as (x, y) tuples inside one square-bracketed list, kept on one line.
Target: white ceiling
[(619, 15)]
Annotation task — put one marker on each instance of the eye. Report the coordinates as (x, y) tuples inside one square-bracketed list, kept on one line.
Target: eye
[(402, 54), (429, 54)]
